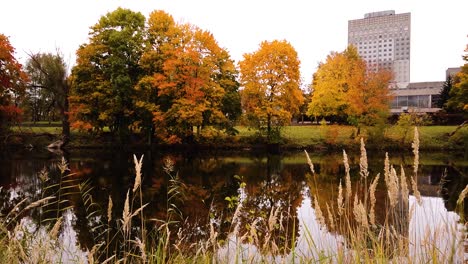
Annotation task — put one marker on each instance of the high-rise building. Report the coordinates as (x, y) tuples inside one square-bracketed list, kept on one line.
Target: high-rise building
[(383, 40)]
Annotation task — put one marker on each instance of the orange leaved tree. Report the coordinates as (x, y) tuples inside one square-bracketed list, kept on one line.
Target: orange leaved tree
[(12, 84)]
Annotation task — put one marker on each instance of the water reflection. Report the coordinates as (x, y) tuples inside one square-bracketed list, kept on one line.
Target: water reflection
[(275, 185)]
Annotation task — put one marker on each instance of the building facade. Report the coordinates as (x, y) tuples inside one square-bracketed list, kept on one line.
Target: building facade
[(420, 97), (383, 40)]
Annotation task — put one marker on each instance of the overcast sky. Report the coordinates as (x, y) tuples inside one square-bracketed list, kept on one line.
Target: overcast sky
[(438, 34)]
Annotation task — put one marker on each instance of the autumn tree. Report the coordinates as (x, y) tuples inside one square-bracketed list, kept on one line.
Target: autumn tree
[(344, 88), (271, 92), (107, 71), (12, 84), (189, 77), (458, 100), (48, 73)]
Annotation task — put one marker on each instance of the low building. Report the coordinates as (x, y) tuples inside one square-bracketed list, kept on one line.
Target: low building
[(421, 97)]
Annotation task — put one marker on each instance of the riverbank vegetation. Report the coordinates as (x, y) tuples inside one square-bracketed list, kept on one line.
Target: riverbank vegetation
[(345, 226)]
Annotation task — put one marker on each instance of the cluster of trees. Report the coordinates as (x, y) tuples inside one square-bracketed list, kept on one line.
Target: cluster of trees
[(172, 80)]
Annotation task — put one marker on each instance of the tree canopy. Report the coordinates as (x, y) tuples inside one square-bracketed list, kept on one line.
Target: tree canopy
[(344, 88), (48, 73), (106, 72), (12, 83), (270, 79)]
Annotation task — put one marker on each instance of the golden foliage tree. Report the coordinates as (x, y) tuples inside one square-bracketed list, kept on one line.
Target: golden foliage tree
[(343, 88), (271, 86)]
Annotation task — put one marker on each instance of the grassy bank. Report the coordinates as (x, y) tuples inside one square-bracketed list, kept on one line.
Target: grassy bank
[(308, 136)]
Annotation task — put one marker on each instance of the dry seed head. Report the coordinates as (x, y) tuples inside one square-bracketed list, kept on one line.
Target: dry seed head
[(55, 230), (404, 185), (109, 210), (63, 165), (386, 169), (126, 214), (330, 218), (393, 187), (44, 175), (340, 199), (318, 213), (311, 165), (462, 196), (373, 200), (138, 166), (360, 213), (348, 177), (363, 161)]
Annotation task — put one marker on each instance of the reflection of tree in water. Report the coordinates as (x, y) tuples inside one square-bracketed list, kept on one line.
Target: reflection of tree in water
[(271, 186)]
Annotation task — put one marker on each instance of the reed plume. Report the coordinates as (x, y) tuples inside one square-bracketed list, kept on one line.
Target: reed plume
[(404, 185), (318, 213), (126, 214), (138, 165), (347, 177), (311, 165), (373, 200), (363, 161), (109, 210)]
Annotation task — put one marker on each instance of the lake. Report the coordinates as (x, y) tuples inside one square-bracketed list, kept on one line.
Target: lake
[(210, 185)]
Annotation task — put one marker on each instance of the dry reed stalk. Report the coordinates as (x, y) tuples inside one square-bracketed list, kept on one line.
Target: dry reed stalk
[(126, 214), (363, 161), (462, 196), (319, 214), (340, 200), (138, 210), (311, 165), (392, 187), (416, 193), (109, 210), (373, 200), (272, 219), (414, 179), (415, 146), (138, 165), (55, 230), (347, 177), (330, 217), (404, 185)]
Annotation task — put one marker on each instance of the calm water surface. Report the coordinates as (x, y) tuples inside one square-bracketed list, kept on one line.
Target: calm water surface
[(271, 181)]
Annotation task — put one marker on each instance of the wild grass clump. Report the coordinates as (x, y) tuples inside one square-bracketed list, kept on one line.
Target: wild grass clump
[(347, 228)]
